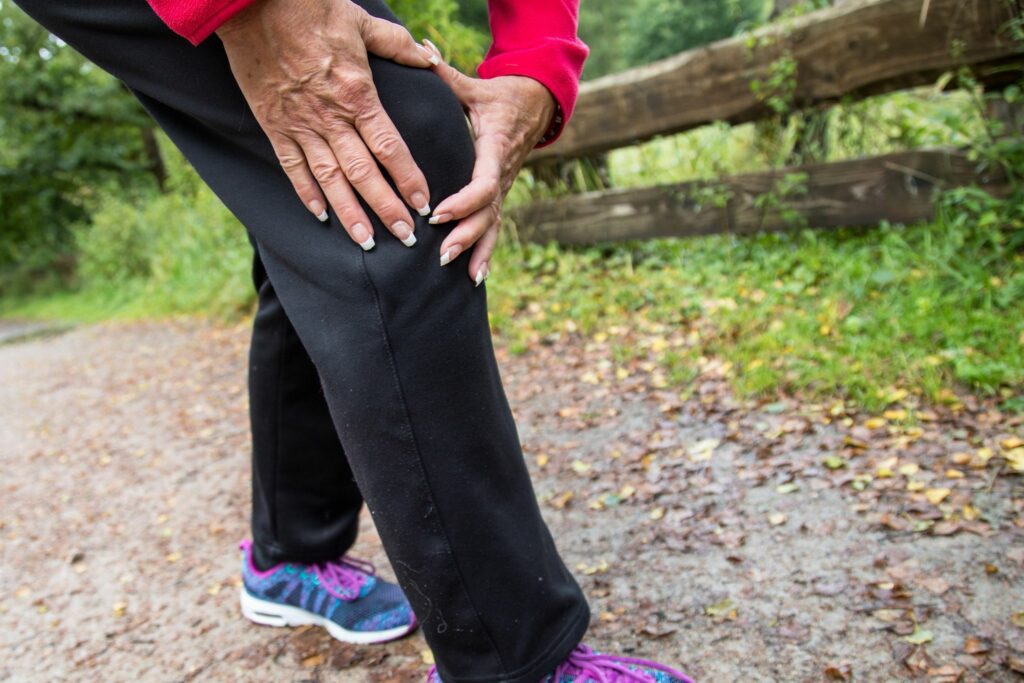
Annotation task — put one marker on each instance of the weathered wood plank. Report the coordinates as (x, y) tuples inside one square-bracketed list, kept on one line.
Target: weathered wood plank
[(900, 188), (857, 48)]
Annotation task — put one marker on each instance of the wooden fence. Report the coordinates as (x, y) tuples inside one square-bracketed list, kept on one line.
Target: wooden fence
[(856, 49)]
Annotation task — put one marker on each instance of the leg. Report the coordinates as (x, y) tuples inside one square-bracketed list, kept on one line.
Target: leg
[(305, 502), (402, 347)]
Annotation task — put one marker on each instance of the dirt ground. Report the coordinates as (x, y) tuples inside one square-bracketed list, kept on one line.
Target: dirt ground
[(740, 541)]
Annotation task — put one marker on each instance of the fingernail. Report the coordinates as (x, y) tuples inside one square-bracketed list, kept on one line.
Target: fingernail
[(420, 201), (363, 236), (481, 274), (319, 210), (402, 228), (440, 218), (434, 56), (449, 254)]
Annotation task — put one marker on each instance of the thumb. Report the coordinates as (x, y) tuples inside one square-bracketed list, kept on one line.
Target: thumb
[(461, 84), (391, 41)]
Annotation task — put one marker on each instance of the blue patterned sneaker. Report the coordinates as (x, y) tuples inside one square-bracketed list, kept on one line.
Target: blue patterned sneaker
[(344, 596), (586, 666)]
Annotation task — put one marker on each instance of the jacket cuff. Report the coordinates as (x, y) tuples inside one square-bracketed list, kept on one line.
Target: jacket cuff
[(195, 21), (556, 63)]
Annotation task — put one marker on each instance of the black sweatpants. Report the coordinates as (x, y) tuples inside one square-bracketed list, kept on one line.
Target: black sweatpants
[(399, 345)]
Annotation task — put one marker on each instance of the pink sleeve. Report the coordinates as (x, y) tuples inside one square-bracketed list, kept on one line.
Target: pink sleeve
[(537, 38), (196, 19)]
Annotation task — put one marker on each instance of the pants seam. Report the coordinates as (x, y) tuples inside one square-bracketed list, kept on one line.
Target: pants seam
[(419, 456)]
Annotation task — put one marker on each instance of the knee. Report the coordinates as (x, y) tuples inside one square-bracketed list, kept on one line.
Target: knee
[(431, 121)]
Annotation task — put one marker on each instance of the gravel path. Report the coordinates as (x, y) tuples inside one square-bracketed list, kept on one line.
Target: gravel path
[(738, 541)]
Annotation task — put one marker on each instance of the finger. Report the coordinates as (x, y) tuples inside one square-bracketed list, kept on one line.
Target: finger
[(460, 83), (483, 188), (480, 261), (386, 144), (293, 162), (362, 172), (391, 41), (466, 233), (327, 172)]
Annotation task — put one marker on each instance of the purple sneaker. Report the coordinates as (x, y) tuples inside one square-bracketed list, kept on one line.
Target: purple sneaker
[(344, 596), (586, 666)]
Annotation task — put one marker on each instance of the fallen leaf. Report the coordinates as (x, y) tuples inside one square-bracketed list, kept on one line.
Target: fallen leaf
[(936, 496), (777, 518), (919, 636)]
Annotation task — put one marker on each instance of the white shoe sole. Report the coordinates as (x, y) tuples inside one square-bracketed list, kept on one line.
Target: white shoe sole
[(274, 614)]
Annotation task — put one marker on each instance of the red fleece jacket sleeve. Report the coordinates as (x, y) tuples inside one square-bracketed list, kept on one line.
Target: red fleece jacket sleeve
[(196, 19), (538, 38), (535, 38)]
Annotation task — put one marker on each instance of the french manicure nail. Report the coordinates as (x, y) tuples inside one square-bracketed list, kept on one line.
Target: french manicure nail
[(481, 274), (319, 210), (440, 218), (450, 254), (436, 57), (368, 244), (431, 57), (402, 228), (419, 200)]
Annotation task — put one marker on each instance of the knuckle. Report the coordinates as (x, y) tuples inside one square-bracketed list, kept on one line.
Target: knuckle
[(325, 172), (358, 169), (387, 146)]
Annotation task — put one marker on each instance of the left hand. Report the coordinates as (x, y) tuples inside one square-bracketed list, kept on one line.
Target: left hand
[(509, 115)]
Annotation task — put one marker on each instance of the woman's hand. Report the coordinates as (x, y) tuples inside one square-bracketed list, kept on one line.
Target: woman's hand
[(509, 115), (303, 68)]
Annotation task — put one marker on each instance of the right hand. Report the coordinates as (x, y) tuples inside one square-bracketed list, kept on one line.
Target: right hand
[(302, 66)]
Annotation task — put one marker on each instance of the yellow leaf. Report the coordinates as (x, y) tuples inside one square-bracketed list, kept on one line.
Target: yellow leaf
[(621, 373), (883, 473), (960, 458), (313, 660), (590, 378), (919, 636), (984, 454), (580, 467), (657, 513), (427, 656), (559, 502), (543, 459), (1010, 443), (909, 469), (214, 589), (936, 496), (627, 491), (970, 513), (119, 608), (173, 557), (897, 415), (777, 518), (954, 474), (915, 485), (875, 423)]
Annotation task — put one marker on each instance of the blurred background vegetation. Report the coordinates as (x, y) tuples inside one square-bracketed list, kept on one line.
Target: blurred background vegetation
[(101, 217)]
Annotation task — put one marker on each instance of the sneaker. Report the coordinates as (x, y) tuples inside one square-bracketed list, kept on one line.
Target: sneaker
[(586, 666), (344, 596)]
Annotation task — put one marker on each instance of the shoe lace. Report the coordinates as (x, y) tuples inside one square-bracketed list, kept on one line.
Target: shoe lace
[(344, 578), (587, 665)]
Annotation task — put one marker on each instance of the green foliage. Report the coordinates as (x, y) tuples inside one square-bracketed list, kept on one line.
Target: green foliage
[(659, 28), (462, 45), (65, 127)]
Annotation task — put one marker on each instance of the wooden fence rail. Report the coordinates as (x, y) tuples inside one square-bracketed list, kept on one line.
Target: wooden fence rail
[(896, 187), (858, 48)]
